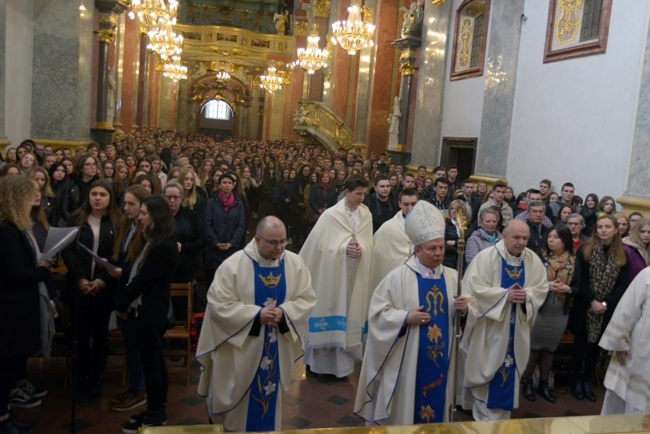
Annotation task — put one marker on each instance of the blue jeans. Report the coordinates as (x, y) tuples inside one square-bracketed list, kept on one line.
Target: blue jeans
[(136, 374)]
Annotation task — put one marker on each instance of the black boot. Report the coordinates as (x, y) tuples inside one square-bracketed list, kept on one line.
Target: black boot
[(13, 425), (527, 385), (589, 394), (546, 394), (578, 391)]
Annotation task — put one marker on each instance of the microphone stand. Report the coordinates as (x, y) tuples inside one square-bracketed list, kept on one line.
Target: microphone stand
[(460, 247)]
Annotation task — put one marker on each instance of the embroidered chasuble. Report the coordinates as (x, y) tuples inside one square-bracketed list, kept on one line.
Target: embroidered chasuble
[(433, 353), (502, 387), (270, 290)]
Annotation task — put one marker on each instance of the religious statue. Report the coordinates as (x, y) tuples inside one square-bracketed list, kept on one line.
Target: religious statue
[(280, 22), (411, 16), (394, 120)]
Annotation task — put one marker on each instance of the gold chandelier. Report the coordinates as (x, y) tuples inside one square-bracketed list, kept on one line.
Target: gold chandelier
[(175, 70), (353, 34), (164, 41), (152, 12), (312, 58), (271, 81)]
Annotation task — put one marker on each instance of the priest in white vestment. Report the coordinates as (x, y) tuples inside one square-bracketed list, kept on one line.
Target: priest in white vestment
[(255, 322), (509, 284), (407, 372), (338, 254), (391, 246), (628, 376)]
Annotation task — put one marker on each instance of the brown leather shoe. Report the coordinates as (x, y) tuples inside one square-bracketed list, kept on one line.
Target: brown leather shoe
[(133, 400), (120, 396)]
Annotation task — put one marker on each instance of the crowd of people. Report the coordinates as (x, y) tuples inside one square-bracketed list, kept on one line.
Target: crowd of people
[(166, 207)]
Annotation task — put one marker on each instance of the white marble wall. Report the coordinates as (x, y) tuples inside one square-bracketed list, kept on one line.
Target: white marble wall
[(500, 75), (574, 119), (62, 69), (19, 53), (427, 132), (638, 176)]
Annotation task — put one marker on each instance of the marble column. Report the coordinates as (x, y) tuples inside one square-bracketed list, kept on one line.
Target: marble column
[(143, 79), (499, 95), (62, 70), (637, 195), (427, 130), (181, 111), (3, 76), (106, 84)]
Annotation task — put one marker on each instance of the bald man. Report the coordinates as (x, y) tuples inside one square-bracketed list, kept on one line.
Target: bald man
[(509, 284), (255, 323)]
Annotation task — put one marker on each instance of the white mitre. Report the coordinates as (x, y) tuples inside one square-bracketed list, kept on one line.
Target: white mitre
[(424, 223)]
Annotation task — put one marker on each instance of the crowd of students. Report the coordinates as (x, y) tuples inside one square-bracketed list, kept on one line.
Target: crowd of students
[(161, 197)]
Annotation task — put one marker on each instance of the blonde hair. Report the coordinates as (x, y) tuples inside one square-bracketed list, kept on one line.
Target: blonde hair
[(47, 188), (17, 193), (192, 198)]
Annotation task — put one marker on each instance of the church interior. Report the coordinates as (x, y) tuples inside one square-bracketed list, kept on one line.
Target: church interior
[(516, 90)]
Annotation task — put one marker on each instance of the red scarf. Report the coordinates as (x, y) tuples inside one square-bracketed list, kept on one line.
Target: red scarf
[(226, 201)]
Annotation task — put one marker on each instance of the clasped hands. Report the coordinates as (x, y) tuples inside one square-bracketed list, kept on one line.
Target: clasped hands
[(597, 307), (516, 294), (417, 317), (89, 287), (353, 249), (271, 315)]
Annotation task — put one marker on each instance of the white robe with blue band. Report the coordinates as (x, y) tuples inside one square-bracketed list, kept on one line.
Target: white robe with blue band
[(232, 360), (388, 392), (499, 327)]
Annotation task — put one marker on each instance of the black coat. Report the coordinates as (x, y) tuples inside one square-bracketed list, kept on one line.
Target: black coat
[(381, 211), (189, 232), (582, 301), (20, 333), (153, 282), (74, 195), (79, 262), (223, 227)]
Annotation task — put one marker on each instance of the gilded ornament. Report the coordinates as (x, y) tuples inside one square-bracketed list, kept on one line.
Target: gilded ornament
[(463, 55), (407, 54), (406, 68), (476, 8), (438, 2), (107, 20), (322, 8), (300, 28), (106, 35), (566, 27)]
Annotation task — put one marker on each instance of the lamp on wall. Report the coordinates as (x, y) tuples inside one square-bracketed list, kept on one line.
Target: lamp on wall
[(312, 58), (354, 33)]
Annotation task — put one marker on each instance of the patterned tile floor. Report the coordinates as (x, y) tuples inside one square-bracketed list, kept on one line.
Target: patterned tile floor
[(310, 403)]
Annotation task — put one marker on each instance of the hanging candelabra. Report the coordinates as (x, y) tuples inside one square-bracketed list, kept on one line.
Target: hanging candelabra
[(175, 70), (151, 12), (312, 58), (271, 81), (354, 33), (164, 41)]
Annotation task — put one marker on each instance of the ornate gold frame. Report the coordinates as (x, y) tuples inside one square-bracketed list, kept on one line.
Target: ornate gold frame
[(478, 70), (588, 48)]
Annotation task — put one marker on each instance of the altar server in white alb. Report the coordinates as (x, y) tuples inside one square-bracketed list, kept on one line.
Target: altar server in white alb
[(406, 376), (255, 321), (338, 253), (628, 376), (509, 284), (391, 246)]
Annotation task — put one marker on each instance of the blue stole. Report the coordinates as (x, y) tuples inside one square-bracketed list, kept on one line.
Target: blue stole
[(433, 352), (501, 392), (270, 286)]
